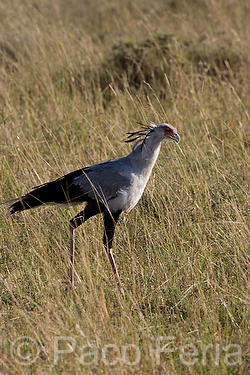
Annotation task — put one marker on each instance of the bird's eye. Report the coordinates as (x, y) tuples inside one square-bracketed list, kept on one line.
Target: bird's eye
[(167, 129)]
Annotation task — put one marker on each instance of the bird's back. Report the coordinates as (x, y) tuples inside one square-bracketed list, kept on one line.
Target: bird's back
[(101, 182)]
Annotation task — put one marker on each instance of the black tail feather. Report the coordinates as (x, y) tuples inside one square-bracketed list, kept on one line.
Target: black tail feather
[(25, 203), (61, 191)]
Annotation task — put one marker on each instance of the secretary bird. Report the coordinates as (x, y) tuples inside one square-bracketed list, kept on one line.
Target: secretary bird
[(110, 187)]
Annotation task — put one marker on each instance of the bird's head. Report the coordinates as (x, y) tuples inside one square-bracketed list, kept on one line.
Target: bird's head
[(166, 132), (160, 132)]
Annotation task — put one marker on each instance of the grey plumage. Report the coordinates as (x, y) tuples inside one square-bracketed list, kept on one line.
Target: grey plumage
[(110, 187)]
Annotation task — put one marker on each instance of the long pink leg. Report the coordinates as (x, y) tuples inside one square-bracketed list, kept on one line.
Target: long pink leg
[(91, 209), (114, 268), (72, 253), (110, 221)]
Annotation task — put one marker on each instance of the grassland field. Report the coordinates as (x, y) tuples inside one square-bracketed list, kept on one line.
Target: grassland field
[(75, 77)]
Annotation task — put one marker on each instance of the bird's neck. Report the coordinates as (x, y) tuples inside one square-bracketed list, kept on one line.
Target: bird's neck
[(146, 155)]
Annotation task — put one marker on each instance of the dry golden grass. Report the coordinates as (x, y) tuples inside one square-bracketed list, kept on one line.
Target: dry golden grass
[(74, 78)]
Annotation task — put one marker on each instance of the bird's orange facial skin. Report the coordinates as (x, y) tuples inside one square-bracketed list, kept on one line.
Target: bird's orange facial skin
[(169, 131)]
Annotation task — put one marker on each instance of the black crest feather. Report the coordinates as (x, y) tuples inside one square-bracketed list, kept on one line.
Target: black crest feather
[(141, 135)]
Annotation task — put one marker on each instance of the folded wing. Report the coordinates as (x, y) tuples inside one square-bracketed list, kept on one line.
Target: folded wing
[(100, 182)]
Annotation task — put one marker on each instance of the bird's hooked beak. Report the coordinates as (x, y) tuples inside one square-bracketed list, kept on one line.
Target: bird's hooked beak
[(175, 137)]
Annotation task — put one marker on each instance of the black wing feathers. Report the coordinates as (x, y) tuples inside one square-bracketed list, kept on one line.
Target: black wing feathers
[(60, 191)]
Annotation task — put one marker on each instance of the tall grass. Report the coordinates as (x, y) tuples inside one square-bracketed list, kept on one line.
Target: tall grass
[(75, 77)]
